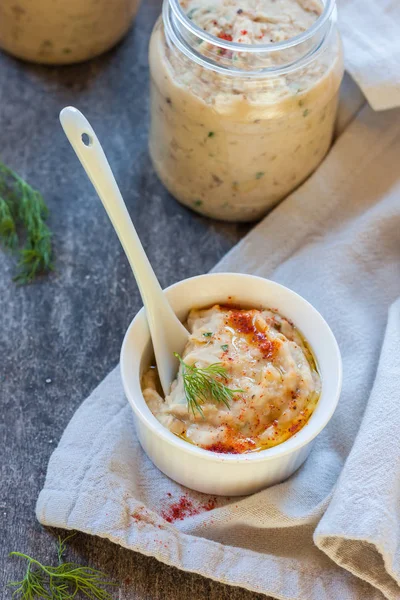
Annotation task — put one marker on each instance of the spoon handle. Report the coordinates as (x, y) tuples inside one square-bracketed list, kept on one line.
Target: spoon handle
[(90, 153)]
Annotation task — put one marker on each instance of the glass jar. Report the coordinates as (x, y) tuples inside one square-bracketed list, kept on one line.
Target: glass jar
[(63, 31), (236, 127)]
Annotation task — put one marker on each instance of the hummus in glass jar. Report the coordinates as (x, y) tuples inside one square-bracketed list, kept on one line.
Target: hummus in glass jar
[(263, 383), (229, 145), (63, 31)]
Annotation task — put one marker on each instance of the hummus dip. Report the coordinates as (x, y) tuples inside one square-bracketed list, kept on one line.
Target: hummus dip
[(63, 31), (268, 367), (230, 146)]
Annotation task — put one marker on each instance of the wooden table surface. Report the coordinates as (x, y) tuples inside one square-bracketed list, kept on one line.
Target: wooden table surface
[(61, 335)]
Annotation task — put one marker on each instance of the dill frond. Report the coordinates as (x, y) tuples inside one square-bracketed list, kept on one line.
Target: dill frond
[(201, 385), (23, 208), (63, 582)]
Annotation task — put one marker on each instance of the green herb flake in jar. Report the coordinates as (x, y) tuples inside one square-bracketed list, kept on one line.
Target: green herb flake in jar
[(233, 68)]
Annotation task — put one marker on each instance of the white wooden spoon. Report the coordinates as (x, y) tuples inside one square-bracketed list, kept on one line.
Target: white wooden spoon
[(167, 332)]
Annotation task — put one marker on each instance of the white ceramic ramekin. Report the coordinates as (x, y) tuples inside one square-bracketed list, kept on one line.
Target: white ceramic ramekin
[(225, 474)]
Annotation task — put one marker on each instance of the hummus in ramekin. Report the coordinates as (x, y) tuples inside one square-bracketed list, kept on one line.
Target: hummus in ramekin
[(264, 364)]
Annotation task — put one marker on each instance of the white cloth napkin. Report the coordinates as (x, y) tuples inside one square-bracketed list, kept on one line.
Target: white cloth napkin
[(371, 37), (332, 530)]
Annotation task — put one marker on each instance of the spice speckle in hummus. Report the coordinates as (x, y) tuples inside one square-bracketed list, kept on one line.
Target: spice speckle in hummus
[(263, 363)]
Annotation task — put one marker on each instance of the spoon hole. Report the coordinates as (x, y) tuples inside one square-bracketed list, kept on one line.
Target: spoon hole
[(87, 139)]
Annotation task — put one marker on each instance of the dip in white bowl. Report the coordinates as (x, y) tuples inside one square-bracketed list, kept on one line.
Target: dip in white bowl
[(263, 366), (220, 473)]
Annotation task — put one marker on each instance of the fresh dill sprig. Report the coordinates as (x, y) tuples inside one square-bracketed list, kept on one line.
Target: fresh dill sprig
[(23, 208), (201, 385), (62, 582)]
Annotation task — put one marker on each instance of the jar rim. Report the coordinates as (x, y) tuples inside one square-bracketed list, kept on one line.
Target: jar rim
[(172, 8), (329, 6)]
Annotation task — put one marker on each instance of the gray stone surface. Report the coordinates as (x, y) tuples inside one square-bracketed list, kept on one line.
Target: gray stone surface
[(60, 336)]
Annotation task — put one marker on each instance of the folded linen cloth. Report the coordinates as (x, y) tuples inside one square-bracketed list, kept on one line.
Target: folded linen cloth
[(371, 39), (332, 530)]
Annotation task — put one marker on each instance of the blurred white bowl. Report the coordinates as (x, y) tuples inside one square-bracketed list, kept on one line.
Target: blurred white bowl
[(231, 474)]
